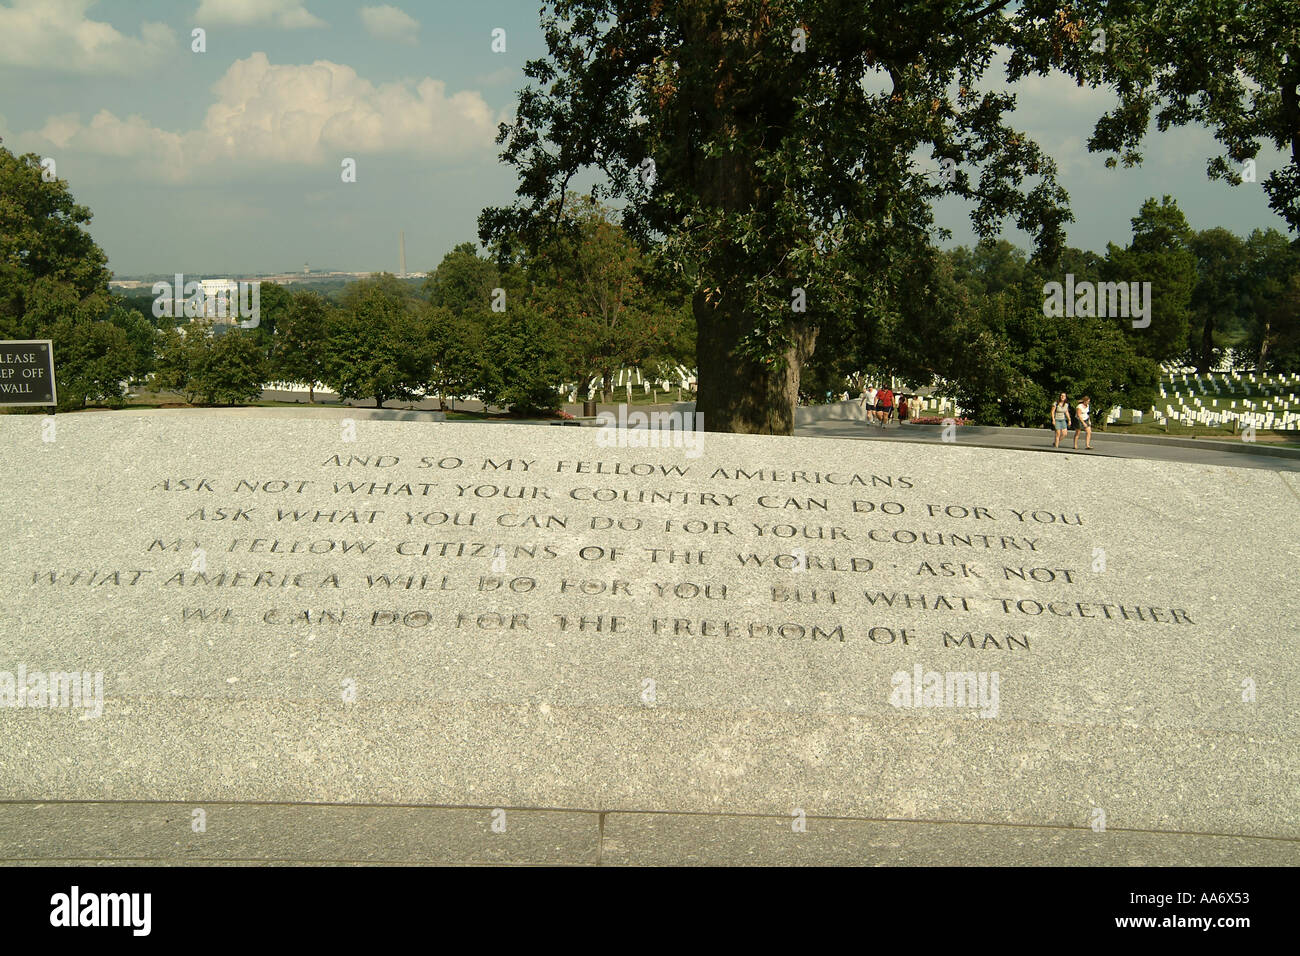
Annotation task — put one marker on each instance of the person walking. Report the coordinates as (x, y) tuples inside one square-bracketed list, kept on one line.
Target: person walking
[(885, 403), (1083, 423), (869, 402), (904, 412), (1060, 418)]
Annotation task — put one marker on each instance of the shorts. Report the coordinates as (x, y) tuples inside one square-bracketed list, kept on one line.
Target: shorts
[(1062, 424)]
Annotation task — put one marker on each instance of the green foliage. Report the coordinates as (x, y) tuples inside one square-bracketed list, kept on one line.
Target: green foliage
[(299, 348), (43, 240), (274, 302), (141, 336), (1004, 360), (777, 166), (463, 282), (54, 285), (225, 369), (456, 346), (589, 288), (1272, 339), (1280, 330), (141, 303), (784, 138), (460, 292), (1216, 306), (592, 281), (232, 369), (95, 357), (1234, 67), (1161, 254), (93, 360), (181, 355), (378, 345), (522, 363)]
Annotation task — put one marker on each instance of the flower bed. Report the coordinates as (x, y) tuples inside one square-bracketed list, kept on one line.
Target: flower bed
[(938, 421)]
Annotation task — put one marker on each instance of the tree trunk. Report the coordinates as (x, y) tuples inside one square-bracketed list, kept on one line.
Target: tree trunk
[(607, 387), (1291, 114), (736, 394), (311, 393), (1207, 344)]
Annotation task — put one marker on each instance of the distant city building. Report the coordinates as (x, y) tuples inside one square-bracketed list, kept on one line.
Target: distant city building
[(220, 299)]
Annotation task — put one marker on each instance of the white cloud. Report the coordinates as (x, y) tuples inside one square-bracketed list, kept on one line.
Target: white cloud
[(56, 35), (308, 115), (289, 14), (387, 22)]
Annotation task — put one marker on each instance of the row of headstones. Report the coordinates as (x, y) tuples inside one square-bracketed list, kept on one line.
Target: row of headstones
[(1278, 404), (1285, 421), (1278, 409), (1232, 382), (651, 388), (925, 407)]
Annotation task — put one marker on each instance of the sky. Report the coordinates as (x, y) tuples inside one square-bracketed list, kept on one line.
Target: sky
[(230, 160)]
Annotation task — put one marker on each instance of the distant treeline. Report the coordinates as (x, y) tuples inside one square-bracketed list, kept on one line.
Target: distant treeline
[(581, 299), (977, 323)]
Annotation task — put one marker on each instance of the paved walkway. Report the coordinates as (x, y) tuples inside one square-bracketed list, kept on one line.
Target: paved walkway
[(1187, 451)]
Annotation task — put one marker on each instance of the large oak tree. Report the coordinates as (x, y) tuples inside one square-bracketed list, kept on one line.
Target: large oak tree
[(786, 153)]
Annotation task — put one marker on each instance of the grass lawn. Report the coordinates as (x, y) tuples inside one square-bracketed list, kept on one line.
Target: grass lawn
[(1226, 402)]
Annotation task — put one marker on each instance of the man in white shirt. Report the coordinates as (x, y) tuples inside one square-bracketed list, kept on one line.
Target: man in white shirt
[(869, 401)]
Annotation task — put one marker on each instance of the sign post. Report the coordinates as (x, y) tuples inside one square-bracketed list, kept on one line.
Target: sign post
[(27, 373)]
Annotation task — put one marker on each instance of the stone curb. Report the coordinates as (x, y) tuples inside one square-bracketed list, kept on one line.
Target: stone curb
[(164, 833)]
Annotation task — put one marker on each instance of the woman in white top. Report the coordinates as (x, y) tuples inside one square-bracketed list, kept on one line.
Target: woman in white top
[(1085, 425)]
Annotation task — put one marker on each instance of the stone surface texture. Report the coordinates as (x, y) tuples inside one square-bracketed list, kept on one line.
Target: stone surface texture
[(641, 654)]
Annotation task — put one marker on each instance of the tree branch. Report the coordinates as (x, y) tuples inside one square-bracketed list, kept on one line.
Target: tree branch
[(981, 14)]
